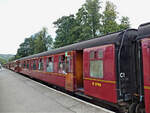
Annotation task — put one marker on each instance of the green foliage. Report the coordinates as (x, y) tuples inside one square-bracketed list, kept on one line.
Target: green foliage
[(125, 23), (42, 42), (85, 25), (6, 56), (109, 19), (2, 61), (39, 42), (26, 48), (64, 30), (93, 16), (88, 23), (14, 58)]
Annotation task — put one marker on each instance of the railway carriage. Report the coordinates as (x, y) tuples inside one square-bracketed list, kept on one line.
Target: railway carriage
[(102, 68), (110, 70), (143, 41), (13, 66), (114, 69)]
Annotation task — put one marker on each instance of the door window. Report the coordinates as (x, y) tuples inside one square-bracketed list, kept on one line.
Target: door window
[(96, 68), (96, 64), (27, 64), (50, 64), (40, 67), (61, 65), (34, 65), (69, 64)]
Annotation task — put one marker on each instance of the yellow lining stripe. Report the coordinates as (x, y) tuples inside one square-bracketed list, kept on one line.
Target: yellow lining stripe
[(57, 74), (105, 81), (147, 87)]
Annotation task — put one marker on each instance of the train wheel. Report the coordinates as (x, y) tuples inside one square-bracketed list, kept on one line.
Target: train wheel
[(132, 108), (139, 109)]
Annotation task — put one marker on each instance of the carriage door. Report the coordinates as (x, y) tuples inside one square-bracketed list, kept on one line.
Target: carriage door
[(146, 72), (79, 70), (74, 70), (69, 77)]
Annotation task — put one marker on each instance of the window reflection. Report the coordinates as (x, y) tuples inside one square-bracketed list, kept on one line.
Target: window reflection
[(40, 64), (50, 63), (96, 68)]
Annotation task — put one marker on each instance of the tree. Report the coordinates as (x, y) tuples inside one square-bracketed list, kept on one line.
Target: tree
[(26, 48), (109, 19), (83, 30), (39, 44), (43, 41), (64, 27), (93, 7), (125, 23), (2, 61), (85, 25), (36, 43)]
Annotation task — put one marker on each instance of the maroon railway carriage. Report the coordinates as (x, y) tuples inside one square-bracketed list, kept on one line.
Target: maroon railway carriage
[(143, 41), (102, 68), (6, 65), (58, 69), (110, 69), (13, 66)]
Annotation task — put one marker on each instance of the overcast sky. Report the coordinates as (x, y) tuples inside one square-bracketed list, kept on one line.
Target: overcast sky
[(21, 18)]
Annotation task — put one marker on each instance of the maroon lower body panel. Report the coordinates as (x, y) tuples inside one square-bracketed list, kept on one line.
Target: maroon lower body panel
[(101, 90), (52, 78)]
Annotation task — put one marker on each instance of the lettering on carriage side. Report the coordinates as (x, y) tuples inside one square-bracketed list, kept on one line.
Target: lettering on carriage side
[(96, 84)]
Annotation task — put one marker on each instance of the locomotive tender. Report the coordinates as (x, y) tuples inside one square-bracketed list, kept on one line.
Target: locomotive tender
[(114, 68)]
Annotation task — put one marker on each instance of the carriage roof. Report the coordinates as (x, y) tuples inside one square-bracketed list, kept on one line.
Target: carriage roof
[(144, 31), (103, 40)]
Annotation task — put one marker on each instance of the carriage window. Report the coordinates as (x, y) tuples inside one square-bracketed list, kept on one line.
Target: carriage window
[(27, 64), (24, 64), (92, 54), (68, 64), (31, 64), (96, 68), (50, 62), (40, 64), (61, 65), (100, 53), (19, 64), (34, 65)]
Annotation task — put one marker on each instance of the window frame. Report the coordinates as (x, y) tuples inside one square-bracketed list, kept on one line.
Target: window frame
[(28, 64), (24, 64), (41, 62), (48, 60), (34, 64), (70, 69), (31, 62), (63, 62), (100, 50), (96, 58)]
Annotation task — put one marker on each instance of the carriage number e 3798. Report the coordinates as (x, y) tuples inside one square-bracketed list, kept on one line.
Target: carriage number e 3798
[(96, 84)]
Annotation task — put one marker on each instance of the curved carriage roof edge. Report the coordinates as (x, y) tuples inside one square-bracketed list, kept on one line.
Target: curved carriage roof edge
[(143, 31), (102, 40)]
